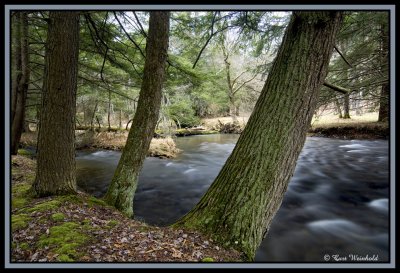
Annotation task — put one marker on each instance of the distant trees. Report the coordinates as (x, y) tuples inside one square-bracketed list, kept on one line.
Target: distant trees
[(360, 65), (123, 185), (20, 76), (242, 201), (56, 173)]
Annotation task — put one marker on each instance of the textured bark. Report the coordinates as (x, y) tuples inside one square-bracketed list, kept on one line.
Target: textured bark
[(123, 185), (56, 173), (238, 208), (20, 79)]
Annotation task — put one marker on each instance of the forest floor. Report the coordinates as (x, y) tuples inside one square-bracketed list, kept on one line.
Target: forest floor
[(81, 228), (363, 126)]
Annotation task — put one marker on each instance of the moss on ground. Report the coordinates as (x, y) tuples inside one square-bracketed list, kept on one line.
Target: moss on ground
[(58, 217), (65, 239), (24, 152), (19, 221), (45, 206), (207, 260), (96, 201), (112, 223)]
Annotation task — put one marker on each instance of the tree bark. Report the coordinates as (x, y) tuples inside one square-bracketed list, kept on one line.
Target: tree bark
[(20, 81), (346, 106), (56, 174), (238, 208), (123, 185)]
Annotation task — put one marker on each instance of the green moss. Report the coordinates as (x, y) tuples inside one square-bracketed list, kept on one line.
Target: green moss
[(45, 206), (72, 198), (58, 216), (19, 221), (64, 258), (24, 152), (207, 260), (24, 246), (18, 202), (21, 189), (112, 223), (86, 222), (65, 239), (30, 177), (95, 201)]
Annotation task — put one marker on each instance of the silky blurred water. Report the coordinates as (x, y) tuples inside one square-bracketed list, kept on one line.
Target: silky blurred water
[(336, 203)]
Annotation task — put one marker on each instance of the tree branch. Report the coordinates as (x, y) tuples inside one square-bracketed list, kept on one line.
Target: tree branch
[(208, 40), (129, 37), (237, 89), (341, 55), (337, 88)]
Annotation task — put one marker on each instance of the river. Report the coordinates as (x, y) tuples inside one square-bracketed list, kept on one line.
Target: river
[(336, 203)]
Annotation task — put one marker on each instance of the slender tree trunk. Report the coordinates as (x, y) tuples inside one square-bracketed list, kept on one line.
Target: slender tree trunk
[(109, 111), (56, 173), (123, 185), (93, 115), (238, 208), (346, 106), (384, 98), (338, 108), (20, 79), (120, 119)]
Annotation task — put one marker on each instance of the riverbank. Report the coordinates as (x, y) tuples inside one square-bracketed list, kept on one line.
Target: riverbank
[(330, 126), (81, 228), (159, 147)]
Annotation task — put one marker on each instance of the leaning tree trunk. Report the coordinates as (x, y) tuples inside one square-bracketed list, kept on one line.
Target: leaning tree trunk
[(20, 79), (123, 185), (56, 173), (238, 208)]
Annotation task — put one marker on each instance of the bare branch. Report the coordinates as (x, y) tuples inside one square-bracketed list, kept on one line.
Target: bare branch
[(344, 58), (337, 88)]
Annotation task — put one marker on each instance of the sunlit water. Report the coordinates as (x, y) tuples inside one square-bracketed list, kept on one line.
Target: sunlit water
[(336, 203)]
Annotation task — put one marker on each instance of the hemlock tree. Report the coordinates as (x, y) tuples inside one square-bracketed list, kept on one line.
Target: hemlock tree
[(238, 208), (20, 77), (123, 185), (56, 174)]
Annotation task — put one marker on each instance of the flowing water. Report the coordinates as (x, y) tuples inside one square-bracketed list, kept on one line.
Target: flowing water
[(336, 203)]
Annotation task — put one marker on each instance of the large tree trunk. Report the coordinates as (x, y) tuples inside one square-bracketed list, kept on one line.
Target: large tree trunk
[(20, 79), (384, 98), (123, 185), (56, 173), (238, 208)]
